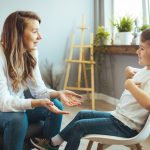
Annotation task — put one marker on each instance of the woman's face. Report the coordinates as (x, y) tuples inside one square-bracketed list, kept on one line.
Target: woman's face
[(144, 54), (31, 34)]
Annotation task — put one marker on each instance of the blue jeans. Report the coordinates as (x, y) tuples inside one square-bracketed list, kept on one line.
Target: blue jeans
[(93, 122), (14, 125)]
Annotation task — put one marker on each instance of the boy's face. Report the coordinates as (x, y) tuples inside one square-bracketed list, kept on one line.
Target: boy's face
[(144, 54)]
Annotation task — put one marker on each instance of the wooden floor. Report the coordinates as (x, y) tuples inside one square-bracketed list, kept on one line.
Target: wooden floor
[(102, 106)]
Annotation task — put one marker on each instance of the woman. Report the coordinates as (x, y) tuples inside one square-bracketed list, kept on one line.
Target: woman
[(19, 70), (130, 114)]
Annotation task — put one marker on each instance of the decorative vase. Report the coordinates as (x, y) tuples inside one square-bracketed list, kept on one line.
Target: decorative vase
[(123, 38), (136, 38)]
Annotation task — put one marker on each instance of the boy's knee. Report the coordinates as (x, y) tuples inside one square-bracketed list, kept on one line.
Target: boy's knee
[(82, 112), (79, 127)]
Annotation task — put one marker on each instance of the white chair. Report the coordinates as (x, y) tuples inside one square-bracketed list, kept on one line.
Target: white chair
[(113, 140)]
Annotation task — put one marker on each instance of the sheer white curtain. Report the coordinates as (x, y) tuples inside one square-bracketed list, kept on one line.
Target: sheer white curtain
[(146, 11)]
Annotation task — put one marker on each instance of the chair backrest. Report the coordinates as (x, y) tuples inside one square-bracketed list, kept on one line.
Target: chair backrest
[(145, 132)]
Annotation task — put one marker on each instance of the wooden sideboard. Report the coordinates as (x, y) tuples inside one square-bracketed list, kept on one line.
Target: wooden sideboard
[(117, 49)]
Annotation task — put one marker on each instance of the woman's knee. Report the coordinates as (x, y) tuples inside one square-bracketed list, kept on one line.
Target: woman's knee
[(19, 121), (57, 103), (15, 129)]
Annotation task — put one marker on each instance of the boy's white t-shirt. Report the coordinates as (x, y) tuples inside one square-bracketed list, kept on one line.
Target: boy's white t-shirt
[(128, 110)]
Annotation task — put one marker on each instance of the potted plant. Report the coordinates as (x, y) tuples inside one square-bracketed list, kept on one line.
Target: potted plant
[(137, 32), (51, 76), (124, 27), (101, 36), (143, 27)]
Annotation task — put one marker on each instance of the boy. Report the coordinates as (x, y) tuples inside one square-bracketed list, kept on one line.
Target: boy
[(130, 114)]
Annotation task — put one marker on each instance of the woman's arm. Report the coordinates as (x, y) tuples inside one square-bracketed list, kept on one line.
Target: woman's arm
[(39, 90), (141, 96), (37, 87), (48, 104), (9, 101)]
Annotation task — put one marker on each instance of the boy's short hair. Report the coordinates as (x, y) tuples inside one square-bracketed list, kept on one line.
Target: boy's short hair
[(145, 36)]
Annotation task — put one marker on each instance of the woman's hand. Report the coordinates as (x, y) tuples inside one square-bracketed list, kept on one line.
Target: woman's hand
[(48, 104), (67, 97), (41, 102), (56, 110)]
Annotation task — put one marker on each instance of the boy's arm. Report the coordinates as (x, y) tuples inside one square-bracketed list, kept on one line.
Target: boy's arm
[(141, 96)]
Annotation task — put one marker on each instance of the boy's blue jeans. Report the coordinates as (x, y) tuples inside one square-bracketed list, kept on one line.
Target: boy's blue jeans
[(93, 122), (14, 125)]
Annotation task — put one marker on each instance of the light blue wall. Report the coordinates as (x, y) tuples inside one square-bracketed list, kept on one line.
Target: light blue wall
[(59, 19)]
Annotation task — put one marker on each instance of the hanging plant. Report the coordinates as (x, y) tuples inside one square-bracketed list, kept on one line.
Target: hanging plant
[(101, 36)]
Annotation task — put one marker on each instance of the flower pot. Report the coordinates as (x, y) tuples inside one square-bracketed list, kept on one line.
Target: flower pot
[(123, 38), (102, 41), (136, 38)]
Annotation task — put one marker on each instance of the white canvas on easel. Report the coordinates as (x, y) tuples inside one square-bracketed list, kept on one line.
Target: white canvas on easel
[(82, 64)]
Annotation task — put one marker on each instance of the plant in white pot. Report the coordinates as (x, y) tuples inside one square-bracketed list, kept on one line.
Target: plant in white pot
[(124, 26), (144, 27)]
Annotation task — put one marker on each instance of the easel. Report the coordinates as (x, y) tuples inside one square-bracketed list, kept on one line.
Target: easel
[(82, 64)]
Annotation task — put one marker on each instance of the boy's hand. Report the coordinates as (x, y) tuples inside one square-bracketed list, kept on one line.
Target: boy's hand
[(139, 84), (129, 72)]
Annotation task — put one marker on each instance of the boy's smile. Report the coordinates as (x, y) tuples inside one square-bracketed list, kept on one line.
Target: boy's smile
[(144, 54)]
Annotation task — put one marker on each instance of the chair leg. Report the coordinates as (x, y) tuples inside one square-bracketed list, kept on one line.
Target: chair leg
[(100, 146), (138, 147), (89, 145)]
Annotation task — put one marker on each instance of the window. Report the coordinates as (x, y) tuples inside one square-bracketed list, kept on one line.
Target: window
[(146, 11), (131, 8)]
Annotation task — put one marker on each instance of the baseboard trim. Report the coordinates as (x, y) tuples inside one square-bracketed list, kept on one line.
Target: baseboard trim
[(103, 97)]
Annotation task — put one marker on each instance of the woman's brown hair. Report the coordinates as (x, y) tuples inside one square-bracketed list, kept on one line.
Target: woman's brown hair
[(20, 62)]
